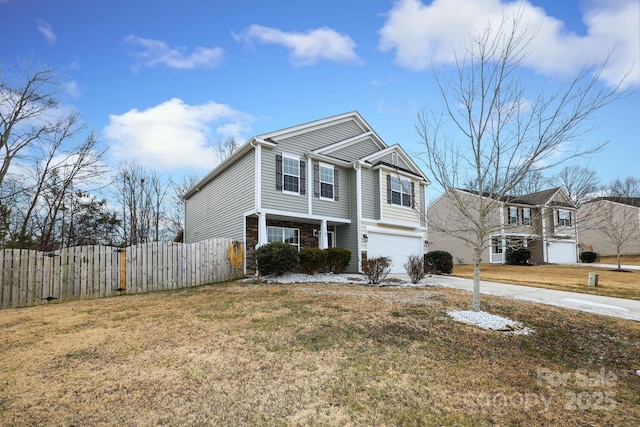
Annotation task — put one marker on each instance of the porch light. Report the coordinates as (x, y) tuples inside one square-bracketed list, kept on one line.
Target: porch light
[(365, 238), (426, 243)]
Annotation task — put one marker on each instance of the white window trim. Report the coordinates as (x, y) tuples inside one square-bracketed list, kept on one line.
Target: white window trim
[(333, 184), (297, 159), (560, 224), (282, 229), (402, 191), (509, 217), (527, 222)]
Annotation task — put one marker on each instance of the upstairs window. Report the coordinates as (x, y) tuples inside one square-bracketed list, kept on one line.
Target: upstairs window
[(563, 217), (326, 181), (290, 174), (513, 215), (400, 191), (526, 216)]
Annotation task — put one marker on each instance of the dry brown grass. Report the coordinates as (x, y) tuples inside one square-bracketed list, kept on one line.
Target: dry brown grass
[(245, 354), (625, 259), (624, 284)]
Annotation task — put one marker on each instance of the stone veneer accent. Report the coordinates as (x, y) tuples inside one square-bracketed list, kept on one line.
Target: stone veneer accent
[(307, 239)]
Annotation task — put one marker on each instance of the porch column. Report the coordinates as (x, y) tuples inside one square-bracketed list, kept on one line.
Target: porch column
[(262, 229), (322, 236)]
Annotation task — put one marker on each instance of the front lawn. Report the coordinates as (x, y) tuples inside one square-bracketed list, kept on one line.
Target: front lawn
[(313, 354), (623, 284)]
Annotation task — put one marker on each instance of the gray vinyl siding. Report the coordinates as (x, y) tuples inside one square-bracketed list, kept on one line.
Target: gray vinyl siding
[(356, 151), (217, 209), (401, 163), (370, 194), (273, 198), (319, 138), (347, 237), (339, 208)]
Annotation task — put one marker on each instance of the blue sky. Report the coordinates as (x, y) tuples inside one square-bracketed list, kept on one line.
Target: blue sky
[(161, 81)]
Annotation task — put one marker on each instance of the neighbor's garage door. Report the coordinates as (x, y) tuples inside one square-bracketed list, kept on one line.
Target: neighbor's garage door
[(396, 247), (561, 252)]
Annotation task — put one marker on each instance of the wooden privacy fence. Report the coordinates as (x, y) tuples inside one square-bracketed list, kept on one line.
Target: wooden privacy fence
[(31, 277)]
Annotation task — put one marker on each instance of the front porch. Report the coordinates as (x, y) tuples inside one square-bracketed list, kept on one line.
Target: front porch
[(300, 232)]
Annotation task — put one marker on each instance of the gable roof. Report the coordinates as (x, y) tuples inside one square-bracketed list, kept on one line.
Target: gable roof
[(630, 201), (539, 198), (271, 139), (318, 124)]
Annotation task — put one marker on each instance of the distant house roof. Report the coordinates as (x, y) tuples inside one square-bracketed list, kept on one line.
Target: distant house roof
[(538, 198), (631, 201)]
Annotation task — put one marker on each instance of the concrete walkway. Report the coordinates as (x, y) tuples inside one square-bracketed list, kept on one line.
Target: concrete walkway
[(608, 306), (609, 266)]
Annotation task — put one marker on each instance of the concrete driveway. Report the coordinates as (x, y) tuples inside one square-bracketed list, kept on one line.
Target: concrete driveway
[(608, 306)]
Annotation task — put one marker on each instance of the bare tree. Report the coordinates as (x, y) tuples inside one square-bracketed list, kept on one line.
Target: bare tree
[(627, 187), (175, 217), (501, 133), (29, 113), (614, 219), (225, 148), (141, 194), (580, 182)]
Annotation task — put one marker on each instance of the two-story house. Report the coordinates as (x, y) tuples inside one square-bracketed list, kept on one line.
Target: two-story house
[(330, 182), (544, 222), (609, 225)]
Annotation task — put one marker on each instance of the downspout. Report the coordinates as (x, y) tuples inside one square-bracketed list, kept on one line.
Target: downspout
[(503, 240), (257, 182), (545, 252), (357, 167)]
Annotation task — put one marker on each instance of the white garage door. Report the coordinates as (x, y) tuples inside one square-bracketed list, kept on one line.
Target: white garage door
[(561, 252), (396, 247)]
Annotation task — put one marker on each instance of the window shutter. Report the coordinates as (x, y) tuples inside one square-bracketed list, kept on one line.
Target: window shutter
[(316, 180), (303, 177), (278, 171), (388, 188), (335, 184), (413, 194)]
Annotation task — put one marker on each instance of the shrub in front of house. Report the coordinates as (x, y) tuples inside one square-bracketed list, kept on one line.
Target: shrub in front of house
[(375, 270), (337, 259), (312, 260), (415, 268), (277, 258), (518, 256), (588, 256), (438, 262)]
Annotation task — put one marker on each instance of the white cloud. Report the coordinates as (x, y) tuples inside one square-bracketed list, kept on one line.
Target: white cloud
[(174, 135), (307, 48), (420, 35), (156, 52), (47, 31), (72, 88)]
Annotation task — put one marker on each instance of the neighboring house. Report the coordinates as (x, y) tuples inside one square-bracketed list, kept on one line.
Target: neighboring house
[(606, 222), (544, 222), (330, 182)]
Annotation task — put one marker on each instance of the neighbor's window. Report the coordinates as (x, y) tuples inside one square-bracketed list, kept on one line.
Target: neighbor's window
[(526, 216), (326, 181), (513, 215), (400, 191), (564, 217), (290, 174), (496, 246), (283, 234)]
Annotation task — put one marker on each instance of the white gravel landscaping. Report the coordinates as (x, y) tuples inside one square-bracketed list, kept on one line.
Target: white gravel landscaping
[(490, 321)]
